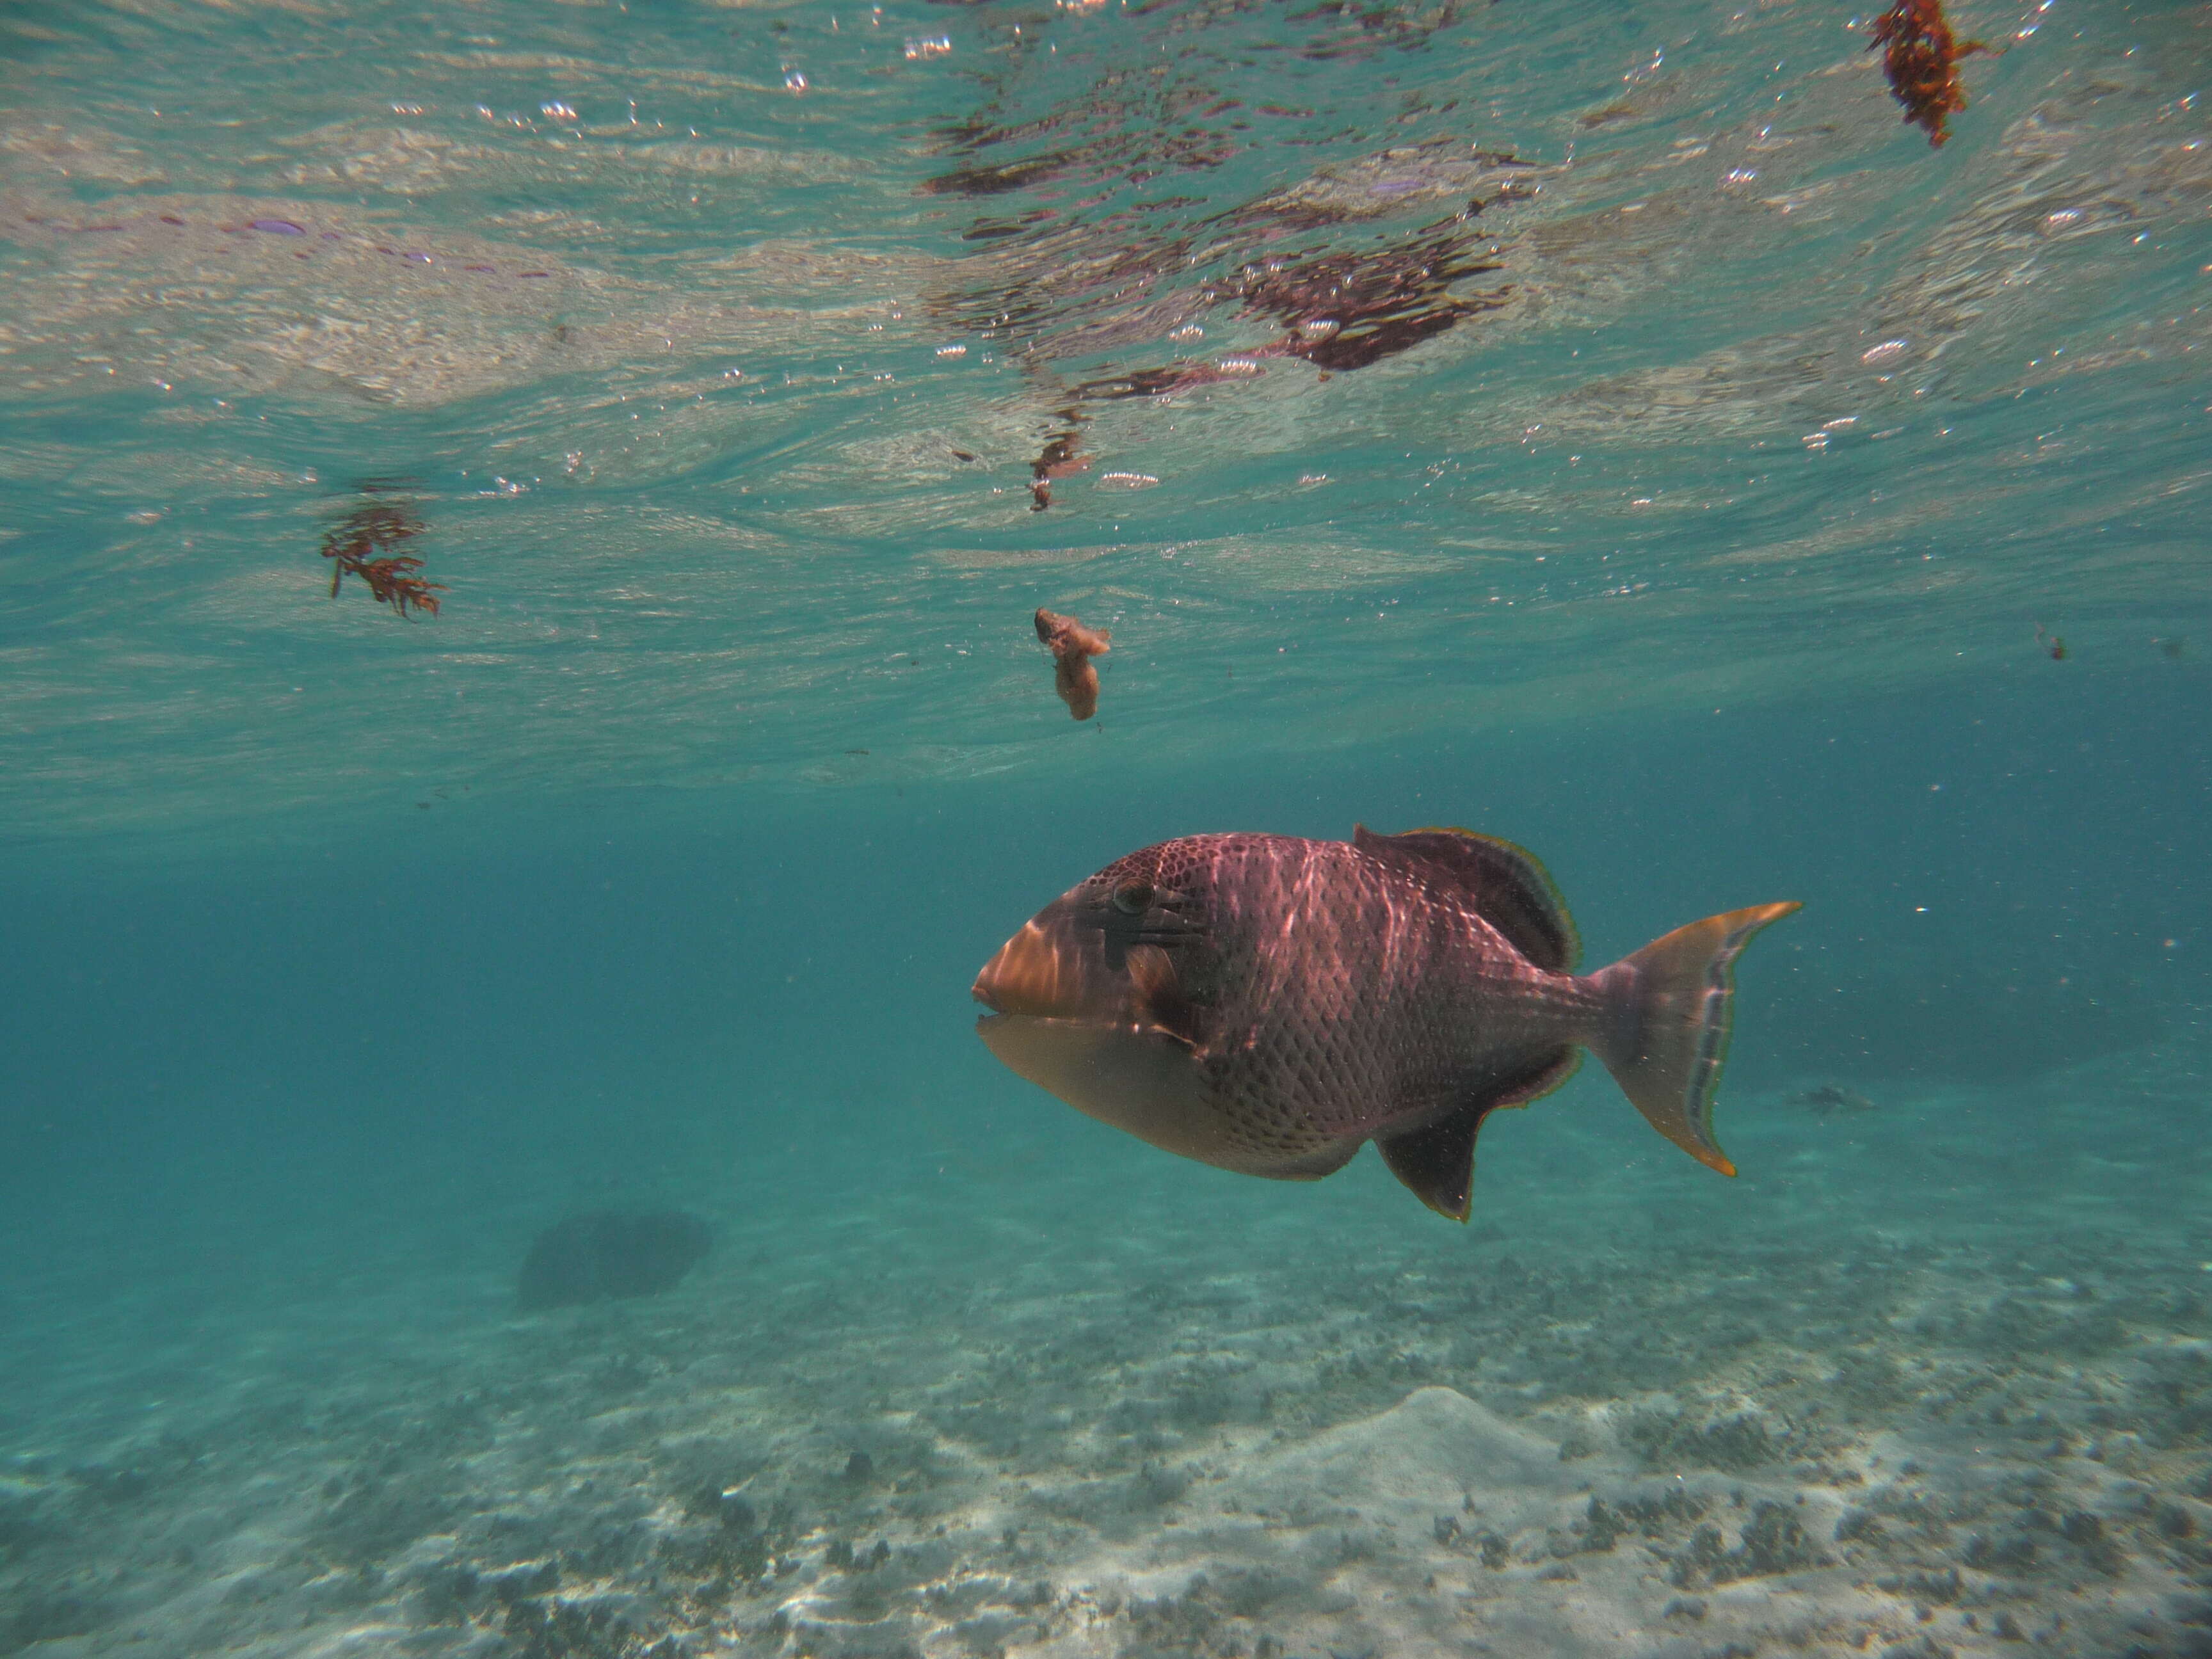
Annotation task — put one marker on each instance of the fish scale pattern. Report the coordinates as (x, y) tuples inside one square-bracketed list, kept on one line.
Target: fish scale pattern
[(1347, 989)]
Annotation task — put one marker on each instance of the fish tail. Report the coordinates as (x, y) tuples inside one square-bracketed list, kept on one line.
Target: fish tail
[(1664, 1029)]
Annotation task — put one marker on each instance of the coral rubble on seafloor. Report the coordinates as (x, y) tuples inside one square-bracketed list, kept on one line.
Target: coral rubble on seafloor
[(1737, 1426)]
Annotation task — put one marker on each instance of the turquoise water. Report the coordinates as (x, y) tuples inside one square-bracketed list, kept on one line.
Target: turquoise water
[(1608, 428)]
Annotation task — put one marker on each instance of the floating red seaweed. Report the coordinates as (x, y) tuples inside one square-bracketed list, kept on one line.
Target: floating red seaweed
[(1073, 647), (355, 546), (1921, 60)]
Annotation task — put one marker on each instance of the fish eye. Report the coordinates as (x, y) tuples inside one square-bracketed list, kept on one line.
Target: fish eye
[(1134, 898)]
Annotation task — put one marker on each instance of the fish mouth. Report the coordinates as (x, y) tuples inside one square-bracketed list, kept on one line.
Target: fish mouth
[(1037, 974), (1038, 992), (1074, 1012), (1070, 967)]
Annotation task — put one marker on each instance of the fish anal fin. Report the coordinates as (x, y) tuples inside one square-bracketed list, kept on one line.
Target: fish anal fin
[(1506, 884), (1435, 1162)]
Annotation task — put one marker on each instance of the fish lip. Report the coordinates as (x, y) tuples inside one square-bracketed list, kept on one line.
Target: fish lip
[(994, 1024), (999, 1020)]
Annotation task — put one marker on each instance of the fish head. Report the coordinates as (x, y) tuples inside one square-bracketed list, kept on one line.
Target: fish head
[(1103, 998), (1129, 945)]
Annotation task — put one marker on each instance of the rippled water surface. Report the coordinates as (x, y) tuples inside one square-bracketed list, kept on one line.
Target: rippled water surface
[(1607, 426), (724, 351)]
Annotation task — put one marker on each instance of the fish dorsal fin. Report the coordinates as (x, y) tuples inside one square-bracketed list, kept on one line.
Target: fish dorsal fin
[(1510, 889), (1435, 1162)]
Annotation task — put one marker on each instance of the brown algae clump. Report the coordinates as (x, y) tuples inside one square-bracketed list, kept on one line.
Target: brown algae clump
[(1072, 646), (1921, 60)]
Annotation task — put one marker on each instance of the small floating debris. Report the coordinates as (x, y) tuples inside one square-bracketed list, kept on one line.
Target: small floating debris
[(1072, 646), (1059, 459), (606, 1254), (356, 547), (276, 226), (1830, 1098), (1920, 59), (1128, 480)]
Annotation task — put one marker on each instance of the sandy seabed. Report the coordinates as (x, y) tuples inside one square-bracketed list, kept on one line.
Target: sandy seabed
[(1938, 1382)]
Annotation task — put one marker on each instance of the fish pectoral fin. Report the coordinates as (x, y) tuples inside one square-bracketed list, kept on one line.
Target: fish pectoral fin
[(1168, 1037), (1435, 1162)]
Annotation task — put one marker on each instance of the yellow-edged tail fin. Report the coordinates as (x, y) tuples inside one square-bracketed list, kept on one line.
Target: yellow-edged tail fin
[(1665, 1029)]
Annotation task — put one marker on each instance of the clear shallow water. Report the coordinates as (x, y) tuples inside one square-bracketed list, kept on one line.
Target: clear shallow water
[(1687, 513)]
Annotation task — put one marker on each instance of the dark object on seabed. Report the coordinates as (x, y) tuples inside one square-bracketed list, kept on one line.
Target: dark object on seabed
[(606, 1254), (1921, 60), (1830, 1098)]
